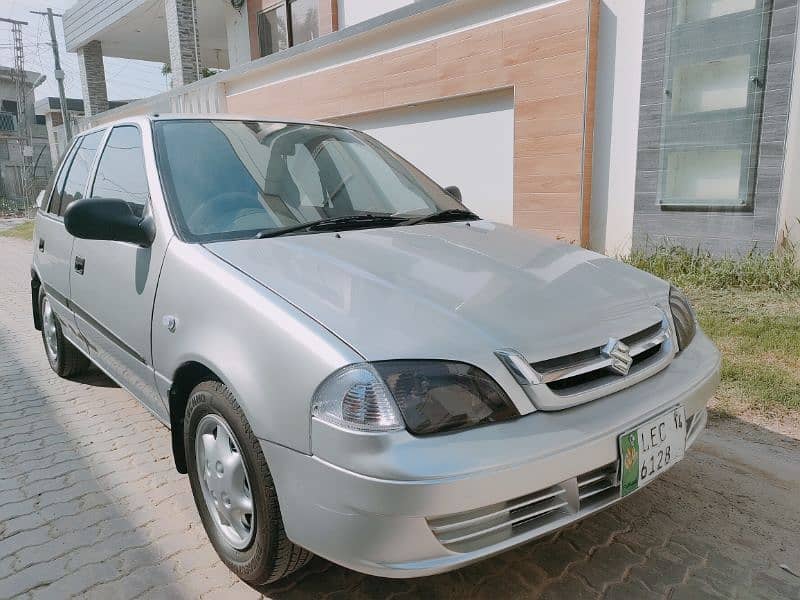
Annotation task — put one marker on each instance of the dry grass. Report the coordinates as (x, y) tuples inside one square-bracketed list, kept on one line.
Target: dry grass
[(23, 231)]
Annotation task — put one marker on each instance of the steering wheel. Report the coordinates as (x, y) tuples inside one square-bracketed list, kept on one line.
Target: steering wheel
[(339, 187), (221, 212)]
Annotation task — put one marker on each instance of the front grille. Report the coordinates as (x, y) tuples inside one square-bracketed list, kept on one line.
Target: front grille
[(543, 511), (586, 374), (598, 485)]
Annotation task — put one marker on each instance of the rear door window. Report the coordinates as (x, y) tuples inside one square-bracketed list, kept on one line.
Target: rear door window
[(58, 186), (75, 183)]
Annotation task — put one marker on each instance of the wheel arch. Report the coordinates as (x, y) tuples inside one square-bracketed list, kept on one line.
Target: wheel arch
[(36, 285), (187, 376)]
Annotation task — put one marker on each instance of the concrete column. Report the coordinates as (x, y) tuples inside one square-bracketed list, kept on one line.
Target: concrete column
[(184, 44), (93, 78), (237, 28)]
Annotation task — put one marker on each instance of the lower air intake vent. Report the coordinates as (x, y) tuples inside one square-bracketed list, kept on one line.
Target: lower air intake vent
[(542, 511)]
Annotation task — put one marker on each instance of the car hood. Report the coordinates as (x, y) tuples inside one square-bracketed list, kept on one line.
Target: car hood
[(448, 290)]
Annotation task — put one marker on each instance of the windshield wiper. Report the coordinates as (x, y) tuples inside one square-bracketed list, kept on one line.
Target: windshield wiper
[(451, 214), (334, 223)]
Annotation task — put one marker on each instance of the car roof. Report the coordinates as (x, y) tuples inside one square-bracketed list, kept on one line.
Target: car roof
[(152, 117)]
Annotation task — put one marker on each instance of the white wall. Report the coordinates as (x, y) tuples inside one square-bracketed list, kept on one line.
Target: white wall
[(237, 30), (788, 225), (356, 11), (468, 142), (619, 68)]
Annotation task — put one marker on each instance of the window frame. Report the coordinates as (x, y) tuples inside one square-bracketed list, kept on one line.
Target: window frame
[(287, 5), (63, 166), (688, 35), (92, 167)]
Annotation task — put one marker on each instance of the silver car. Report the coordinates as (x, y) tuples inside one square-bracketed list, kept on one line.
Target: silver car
[(351, 363)]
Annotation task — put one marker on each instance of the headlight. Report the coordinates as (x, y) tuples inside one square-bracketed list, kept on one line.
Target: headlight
[(683, 317), (429, 396)]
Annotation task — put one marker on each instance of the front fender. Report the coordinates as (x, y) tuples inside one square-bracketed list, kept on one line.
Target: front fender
[(271, 355)]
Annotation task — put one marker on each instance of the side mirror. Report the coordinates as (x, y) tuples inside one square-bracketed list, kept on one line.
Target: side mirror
[(454, 192), (108, 219)]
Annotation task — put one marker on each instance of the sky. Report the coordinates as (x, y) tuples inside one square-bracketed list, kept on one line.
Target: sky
[(126, 79)]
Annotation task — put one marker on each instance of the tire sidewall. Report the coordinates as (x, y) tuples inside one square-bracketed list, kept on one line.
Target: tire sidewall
[(254, 562)]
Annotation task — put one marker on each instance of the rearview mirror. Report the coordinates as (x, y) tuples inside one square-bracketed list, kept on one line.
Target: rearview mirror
[(108, 219), (454, 192)]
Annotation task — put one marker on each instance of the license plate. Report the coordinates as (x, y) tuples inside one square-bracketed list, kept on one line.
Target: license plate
[(651, 449)]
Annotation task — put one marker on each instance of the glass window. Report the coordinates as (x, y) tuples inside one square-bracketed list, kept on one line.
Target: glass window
[(690, 11), (286, 24), (82, 160), (305, 20), (713, 99), (232, 179), (58, 186), (121, 173), (273, 32)]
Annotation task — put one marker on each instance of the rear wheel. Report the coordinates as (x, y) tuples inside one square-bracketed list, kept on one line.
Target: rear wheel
[(64, 358), (233, 489)]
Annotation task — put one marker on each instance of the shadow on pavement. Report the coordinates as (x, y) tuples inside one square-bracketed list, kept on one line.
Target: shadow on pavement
[(95, 378), (73, 496)]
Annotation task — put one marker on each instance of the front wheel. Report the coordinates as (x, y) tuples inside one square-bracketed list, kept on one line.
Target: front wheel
[(233, 489)]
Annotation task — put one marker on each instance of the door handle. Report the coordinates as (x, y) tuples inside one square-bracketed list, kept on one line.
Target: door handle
[(80, 262), (41, 244)]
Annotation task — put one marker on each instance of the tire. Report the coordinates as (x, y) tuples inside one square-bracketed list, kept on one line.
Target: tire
[(267, 554), (64, 358)]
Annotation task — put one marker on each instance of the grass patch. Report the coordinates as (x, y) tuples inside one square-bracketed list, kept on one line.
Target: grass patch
[(699, 269), (23, 231), (750, 307), (758, 333)]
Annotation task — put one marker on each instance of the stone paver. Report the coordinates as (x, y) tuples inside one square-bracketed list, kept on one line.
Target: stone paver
[(91, 506)]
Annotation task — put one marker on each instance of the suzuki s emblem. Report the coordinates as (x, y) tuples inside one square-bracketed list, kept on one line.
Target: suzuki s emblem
[(620, 356)]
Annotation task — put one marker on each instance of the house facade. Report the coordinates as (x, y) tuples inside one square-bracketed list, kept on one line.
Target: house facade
[(607, 123)]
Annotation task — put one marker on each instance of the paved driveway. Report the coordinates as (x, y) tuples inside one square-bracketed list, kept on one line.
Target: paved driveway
[(90, 504)]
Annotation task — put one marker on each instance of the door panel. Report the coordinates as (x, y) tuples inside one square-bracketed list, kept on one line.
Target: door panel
[(113, 284), (113, 302), (52, 242), (53, 248)]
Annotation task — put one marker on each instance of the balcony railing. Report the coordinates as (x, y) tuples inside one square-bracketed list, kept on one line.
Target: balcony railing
[(8, 121)]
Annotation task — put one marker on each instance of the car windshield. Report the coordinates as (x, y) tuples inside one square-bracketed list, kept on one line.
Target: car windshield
[(236, 179)]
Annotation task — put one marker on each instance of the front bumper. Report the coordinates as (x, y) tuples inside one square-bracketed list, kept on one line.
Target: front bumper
[(398, 506)]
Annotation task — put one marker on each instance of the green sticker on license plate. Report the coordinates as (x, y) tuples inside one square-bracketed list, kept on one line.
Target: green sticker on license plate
[(629, 453)]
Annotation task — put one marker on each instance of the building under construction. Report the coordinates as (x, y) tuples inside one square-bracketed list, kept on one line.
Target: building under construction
[(13, 142)]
